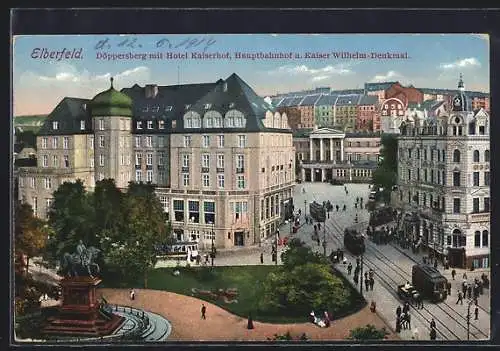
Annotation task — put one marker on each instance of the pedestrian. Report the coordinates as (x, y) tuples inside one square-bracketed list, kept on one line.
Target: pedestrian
[(448, 287), (464, 288), (420, 301), (460, 298), (476, 313), (372, 281), (433, 324), (433, 334), (355, 278), (261, 258), (408, 319), (398, 324), (367, 283), (349, 268), (132, 294), (398, 311), (343, 209), (406, 307), (436, 263), (464, 276), (469, 291), (203, 311), (337, 207), (371, 273)]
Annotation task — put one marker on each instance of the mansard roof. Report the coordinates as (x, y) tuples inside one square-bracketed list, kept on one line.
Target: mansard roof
[(68, 113)]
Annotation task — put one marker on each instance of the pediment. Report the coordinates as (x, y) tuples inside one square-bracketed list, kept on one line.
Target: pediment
[(326, 131)]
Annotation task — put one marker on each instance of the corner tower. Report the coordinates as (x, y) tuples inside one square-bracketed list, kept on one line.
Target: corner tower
[(112, 120)]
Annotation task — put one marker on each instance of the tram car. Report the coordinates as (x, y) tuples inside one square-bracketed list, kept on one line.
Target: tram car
[(354, 241), (317, 211), (381, 216), (429, 282)]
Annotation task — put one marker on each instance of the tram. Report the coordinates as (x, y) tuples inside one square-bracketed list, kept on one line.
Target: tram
[(429, 282), (317, 211), (354, 241)]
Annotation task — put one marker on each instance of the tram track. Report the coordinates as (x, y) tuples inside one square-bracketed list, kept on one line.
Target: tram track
[(389, 281)]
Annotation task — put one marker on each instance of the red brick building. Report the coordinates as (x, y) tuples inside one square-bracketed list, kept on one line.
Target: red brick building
[(368, 115), (407, 95)]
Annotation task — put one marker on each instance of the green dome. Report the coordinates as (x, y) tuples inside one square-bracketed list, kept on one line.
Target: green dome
[(111, 103)]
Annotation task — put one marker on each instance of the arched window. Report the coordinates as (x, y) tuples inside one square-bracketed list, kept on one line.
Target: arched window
[(486, 155), (234, 119), (477, 238), (485, 238), (212, 119), (456, 155), (192, 120), (475, 156), (472, 128), (458, 239)]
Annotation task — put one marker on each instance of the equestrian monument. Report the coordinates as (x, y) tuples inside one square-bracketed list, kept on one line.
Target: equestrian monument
[(81, 314)]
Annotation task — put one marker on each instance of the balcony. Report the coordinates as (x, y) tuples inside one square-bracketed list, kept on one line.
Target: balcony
[(479, 217), (240, 170), (220, 169), (185, 169), (205, 170)]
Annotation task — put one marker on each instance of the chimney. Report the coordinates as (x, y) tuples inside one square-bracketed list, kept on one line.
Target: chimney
[(151, 90)]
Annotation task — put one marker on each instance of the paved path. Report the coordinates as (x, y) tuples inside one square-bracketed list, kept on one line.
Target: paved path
[(183, 312)]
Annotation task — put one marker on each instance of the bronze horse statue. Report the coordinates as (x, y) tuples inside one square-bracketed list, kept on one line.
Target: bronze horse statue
[(81, 263)]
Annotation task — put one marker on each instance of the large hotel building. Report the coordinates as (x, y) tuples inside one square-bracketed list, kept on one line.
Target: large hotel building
[(444, 182), (221, 157)]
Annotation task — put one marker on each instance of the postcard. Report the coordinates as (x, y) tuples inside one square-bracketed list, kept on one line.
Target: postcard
[(251, 187)]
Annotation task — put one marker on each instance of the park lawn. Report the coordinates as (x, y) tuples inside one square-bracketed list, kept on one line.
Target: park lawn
[(247, 279)]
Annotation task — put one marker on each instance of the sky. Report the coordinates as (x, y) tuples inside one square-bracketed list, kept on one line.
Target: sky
[(429, 61)]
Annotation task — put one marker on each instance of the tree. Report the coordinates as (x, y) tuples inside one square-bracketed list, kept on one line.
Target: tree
[(30, 234), (368, 332), (298, 254), (386, 173)]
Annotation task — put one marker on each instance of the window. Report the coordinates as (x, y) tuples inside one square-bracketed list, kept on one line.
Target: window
[(220, 181), (149, 175), (185, 160), (475, 179), (48, 183), (194, 211), (475, 205), (65, 143), (477, 239), (161, 124), (220, 161), (101, 140), (206, 141), (161, 177), (48, 205), (161, 141), (458, 240), (485, 238), (432, 176), (139, 124), (101, 124), (206, 179), (240, 182), (45, 141), (122, 161), (161, 156), (187, 140), (205, 161), (425, 154), (409, 153), (138, 159), (35, 206), (149, 141), (101, 160), (456, 156), (92, 162), (91, 142), (456, 178), (418, 174), (55, 142), (475, 156), (240, 163), (409, 175), (185, 179), (149, 159), (137, 141), (209, 211), (164, 203), (486, 204), (55, 161), (179, 210), (482, 130), (242, 141), (443, 153), (220, 140), (55, 125), (150, 124), (238, 208), (487, 178), (425, 175), (82, 125), (66, 161), (45, 161), (487, 156), (138, 175)]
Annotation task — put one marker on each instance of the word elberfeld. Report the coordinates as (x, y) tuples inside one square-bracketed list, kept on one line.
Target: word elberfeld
[(44, 53)]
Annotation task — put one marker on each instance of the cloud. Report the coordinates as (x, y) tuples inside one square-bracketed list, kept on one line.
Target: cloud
[(314, 74), (463, 63), (319, 78), (391, 75), (33, 90)]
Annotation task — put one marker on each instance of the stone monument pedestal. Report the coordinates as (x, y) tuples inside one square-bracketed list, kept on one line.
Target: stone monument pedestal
[(79, 314)]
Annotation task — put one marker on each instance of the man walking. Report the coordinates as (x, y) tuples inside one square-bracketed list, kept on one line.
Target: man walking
[(433, 334), (203, 311), (261, 258), (433, 324), (453, 273), (460, 298), (367, 282), (398, 311), (476, 313), (372, 282), (349, 268)]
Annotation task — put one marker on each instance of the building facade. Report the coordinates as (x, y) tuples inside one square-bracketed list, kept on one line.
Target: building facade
[(221, 157), (444, 183)]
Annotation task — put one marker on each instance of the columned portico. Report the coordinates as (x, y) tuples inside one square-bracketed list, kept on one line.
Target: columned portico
[(335, 140)]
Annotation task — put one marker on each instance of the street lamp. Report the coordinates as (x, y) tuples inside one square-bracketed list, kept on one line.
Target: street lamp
[(471, 301), (361, 276), (213, 250), (275, 247), (324, 239), (305, 207)]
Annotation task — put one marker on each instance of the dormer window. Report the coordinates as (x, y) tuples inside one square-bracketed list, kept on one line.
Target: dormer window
[(150, 124), (161, 124), (231, 105), (168, 108), (145, 108), (224, 87), (155, 109), (139, 124), (55, 125), (208, 106), (101, 124), (82, 125), (187, 107)]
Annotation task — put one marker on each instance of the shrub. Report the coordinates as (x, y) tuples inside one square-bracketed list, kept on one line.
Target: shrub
[(368, 332)]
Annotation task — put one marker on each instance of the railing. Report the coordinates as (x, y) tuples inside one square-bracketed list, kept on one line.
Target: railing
[(480, 217)]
